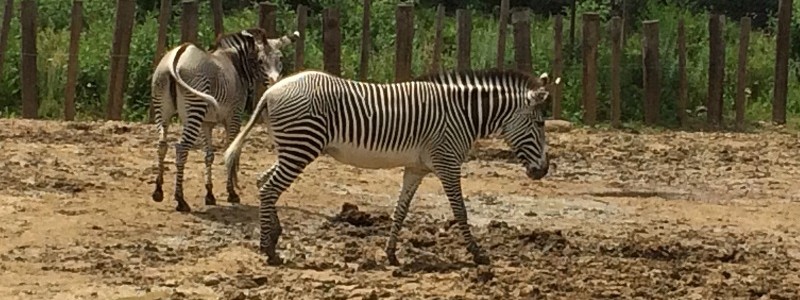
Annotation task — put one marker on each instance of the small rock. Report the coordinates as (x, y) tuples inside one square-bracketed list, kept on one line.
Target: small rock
[(212, 280), (557, 126)]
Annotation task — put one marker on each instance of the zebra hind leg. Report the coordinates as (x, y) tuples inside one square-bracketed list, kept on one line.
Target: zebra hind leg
[(231, 130), (411, 181), (191, 128), (209, 161), (158, 193), (282, 176), (451, 182)]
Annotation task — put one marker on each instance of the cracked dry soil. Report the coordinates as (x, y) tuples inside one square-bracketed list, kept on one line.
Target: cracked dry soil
[(622, 215)]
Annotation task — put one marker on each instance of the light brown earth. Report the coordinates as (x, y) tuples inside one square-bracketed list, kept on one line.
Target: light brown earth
[(622, 215)]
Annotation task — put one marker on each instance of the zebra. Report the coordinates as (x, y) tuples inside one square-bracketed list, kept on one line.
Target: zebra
[(426, 125), (209, 87)]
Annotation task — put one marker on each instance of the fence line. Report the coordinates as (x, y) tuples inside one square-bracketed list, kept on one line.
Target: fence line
[(518, 17)]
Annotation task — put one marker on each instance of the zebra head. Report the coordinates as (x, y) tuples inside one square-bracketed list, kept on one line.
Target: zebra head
[(272, 66), (260, 56), (525, 131)]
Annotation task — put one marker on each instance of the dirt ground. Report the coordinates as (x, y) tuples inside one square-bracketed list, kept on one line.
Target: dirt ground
[(621, 215)]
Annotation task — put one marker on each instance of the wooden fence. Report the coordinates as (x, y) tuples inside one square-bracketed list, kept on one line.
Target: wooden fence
[(519, 19)]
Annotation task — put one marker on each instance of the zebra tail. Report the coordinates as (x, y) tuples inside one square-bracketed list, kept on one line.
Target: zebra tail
[(172, 71), (234, 150)]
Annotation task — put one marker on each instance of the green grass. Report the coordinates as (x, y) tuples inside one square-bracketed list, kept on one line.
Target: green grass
[(53, 40)]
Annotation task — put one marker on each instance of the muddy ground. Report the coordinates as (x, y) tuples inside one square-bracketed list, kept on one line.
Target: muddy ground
[(621, 215)]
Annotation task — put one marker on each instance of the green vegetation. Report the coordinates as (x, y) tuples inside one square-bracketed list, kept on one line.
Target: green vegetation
[(53, 40)]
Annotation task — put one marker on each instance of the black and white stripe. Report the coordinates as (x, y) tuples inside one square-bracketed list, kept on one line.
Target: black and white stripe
[(426, 125), (205, 88)]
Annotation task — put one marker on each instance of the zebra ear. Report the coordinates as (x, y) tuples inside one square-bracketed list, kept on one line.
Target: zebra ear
[(286, 40)]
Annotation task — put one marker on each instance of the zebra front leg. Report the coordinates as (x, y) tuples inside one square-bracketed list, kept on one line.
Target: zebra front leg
[(209, 162), (451, 182), (158, 193), (262, 177), (411, 181), (284, 174)]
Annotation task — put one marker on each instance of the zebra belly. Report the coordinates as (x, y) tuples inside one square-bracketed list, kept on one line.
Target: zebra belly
[(373, 159)]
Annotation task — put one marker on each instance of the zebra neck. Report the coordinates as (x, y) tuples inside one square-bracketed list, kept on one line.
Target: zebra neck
[(486, 112), (239, 63)]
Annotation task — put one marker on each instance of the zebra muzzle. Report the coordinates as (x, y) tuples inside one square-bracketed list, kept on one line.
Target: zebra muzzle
[(538, 172)]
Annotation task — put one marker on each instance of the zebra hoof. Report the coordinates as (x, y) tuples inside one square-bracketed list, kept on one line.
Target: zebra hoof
[(274, 260), (481, 259), (183, 207), (158, 195), (210, 199), (392, 259), (233, 198)]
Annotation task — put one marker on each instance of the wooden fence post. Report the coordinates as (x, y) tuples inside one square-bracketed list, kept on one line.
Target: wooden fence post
[(591, 28), (76, 24), (558, 64), (436, 58), (189, 21), (616, 61), (366, 43), (502, 34), (404, 14), (683, 81), (300, 44), (651, 72), (780, 92), (521, 18), (30, 97), (217, 12), (716, 70), (119, 58), (267, 19), (164, 16), (7, 11), (572, 16), (741, 71), (463, 39), (331, 41)]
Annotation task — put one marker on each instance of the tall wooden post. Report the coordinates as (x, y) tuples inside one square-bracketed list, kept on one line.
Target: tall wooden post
[(741, 71), (366, 43), (331, 41), (521, 18), (716, 70), (558, 64), (119, 58), (591, 28), (616, 61), (164, 16), (652, 72), (683, 81), (76, 23), (782, 46), (404, 14), (464, 39), (28, 23), (300, 44), (7, 13), (438, 24), (502, 33), (217, 14), (189, 21)]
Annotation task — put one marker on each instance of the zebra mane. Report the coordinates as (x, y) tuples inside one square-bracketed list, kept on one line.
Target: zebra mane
[(225, 40), (470, 75)]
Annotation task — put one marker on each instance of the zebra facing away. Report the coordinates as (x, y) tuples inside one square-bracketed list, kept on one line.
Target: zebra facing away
[(427, 125), (206, 88)]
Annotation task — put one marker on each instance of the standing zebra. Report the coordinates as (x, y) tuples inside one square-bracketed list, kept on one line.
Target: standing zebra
[(206, 88), (426, 126)]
